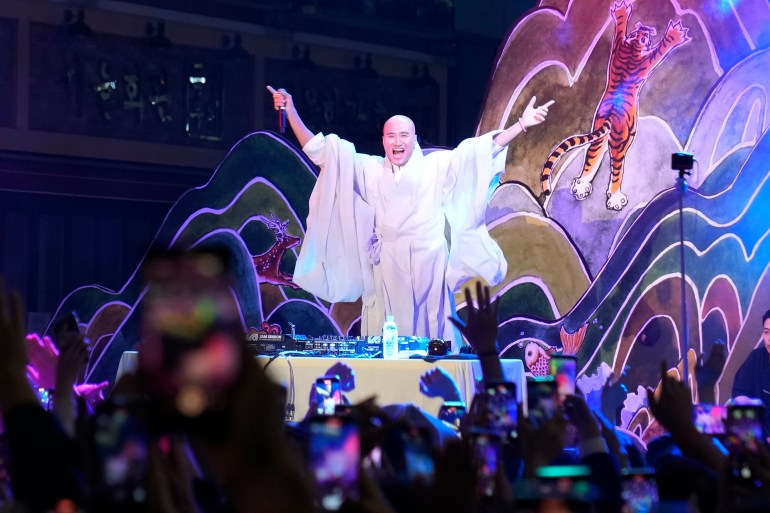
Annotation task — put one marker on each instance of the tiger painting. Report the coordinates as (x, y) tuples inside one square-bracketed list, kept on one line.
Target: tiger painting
[(632, 59)]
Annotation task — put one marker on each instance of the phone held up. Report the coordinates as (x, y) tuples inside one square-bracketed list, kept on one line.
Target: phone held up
[(192, 334), (327, 395), (502, 408), (487, 447), (745, 435), (709, 419), (542, 399), (452, 412), (334, 454), (121, 456), (65, 329), (563, 368), (639, 490)]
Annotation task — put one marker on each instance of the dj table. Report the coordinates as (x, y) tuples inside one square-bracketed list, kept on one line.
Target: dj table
[(392, 381)]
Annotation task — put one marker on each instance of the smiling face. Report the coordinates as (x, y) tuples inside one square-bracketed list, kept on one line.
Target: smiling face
[(398, 139)]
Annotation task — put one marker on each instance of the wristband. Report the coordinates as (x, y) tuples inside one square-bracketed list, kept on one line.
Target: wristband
[(523, 128)]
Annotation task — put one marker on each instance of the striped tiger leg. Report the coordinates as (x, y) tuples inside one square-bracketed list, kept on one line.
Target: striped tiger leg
[(581, 184), (616, 200)]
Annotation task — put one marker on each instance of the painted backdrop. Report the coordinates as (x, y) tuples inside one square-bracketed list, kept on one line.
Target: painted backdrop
[(587, 213)]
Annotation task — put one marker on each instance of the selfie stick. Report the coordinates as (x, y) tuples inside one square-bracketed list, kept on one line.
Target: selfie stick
[(682, 162)]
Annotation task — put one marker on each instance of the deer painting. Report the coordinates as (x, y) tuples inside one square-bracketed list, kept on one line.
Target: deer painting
[(268, 264)]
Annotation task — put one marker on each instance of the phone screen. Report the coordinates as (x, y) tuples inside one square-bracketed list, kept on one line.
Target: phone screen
[(327, 395), (486, 453), (541, 399), (452, 412), (639, 490), (502, 408), (745, 427), (334, 454), (192, 335), (122, 453), (745, 434), (709, 419), (418, 454), (564, 371)]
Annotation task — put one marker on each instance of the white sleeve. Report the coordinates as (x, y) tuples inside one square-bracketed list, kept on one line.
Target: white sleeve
[(476, 166), (315, 149)]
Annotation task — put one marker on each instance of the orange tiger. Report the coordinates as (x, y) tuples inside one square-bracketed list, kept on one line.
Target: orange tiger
[(632, 60)]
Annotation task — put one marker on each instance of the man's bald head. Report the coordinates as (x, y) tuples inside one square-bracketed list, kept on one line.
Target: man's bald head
[(398, 139)]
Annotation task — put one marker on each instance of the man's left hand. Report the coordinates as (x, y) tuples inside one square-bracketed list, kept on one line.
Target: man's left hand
[(534, 115)]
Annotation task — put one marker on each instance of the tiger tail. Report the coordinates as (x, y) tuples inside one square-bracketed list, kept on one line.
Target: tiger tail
[(567, 144)]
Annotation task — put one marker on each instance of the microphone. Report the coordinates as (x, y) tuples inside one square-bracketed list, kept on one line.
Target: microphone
[(282, 119)]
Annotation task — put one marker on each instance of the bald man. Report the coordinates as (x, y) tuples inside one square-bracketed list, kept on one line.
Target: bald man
[(376, 227)]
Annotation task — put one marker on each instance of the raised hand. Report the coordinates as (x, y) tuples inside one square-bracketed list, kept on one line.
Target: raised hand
[(71, 360), (480, 326), (673, 405), (43, 356), (281, 99), (707, 372), (14, 388), (534, 115), (582, 417), (93, 393), (13, 356)]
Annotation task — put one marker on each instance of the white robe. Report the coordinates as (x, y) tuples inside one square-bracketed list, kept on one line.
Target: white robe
[(374, 235)]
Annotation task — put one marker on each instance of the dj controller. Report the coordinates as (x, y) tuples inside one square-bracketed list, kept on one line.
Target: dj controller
[(355, 347)]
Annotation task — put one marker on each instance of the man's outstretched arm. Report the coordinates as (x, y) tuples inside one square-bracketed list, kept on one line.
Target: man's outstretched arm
[(530, 117), (282, 99)]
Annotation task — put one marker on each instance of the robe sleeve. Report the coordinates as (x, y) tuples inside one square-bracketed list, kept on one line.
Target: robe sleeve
[(333, 262), (474, 171)]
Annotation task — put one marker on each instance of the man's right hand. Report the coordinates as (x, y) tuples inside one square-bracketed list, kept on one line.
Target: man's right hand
[(281, 99)]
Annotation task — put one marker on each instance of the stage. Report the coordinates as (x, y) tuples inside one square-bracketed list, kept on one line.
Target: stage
[(392, 381)]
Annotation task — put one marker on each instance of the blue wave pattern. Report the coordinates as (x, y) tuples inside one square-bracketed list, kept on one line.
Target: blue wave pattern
[(725, 234)]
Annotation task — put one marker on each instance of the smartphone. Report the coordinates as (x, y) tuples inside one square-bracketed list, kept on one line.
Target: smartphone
[(502, 408), (334, 454), (542, 399), (639, 490), (563, 368), (745, 429), (452, 412), (486, 447), (327, 394), (343, 409), (122, 456), (191, 330), (64, 325), (418, 454), (745, 434), (709, 419)]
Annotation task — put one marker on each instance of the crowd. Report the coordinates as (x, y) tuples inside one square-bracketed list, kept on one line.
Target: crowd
[(165, 444)]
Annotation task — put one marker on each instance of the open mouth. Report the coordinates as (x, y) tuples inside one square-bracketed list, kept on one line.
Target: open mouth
[(398, 151)]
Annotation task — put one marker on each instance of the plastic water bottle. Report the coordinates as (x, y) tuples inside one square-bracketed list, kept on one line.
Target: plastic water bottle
[(389, 339)]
